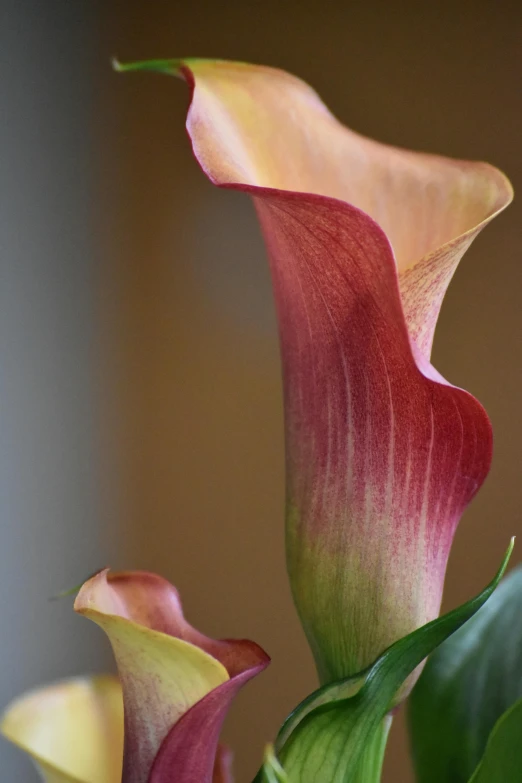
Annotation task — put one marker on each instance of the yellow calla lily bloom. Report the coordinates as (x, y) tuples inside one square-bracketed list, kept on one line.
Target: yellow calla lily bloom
[(72, 730)]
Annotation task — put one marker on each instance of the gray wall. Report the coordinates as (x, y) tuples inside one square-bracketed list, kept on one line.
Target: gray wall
[(52, 510)]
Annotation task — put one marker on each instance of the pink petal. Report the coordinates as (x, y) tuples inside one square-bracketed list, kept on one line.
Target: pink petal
[(383, 455)]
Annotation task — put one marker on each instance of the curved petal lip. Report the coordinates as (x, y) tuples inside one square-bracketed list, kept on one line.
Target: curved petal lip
[(184, 67), (500, 199), (161, 614), (260, 127), (429, 207)]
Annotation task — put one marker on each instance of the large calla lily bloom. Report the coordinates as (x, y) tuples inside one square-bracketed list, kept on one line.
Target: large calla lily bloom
[(383, 454), (167, 708)]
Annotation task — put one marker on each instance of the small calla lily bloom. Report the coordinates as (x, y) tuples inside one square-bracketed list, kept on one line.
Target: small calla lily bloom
[(161, 720), (383, 454), (177, 683)]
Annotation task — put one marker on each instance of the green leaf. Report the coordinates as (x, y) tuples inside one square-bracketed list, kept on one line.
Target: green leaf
[(325, 738), (468, 683), (502, 762), (271, 771)]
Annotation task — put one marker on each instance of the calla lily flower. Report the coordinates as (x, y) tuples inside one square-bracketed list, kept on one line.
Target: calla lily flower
[(162, 719), (177, 683), (383, 454), (72, 730)]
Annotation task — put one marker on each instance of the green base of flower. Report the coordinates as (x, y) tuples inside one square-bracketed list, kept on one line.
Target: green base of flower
[(370, 766)]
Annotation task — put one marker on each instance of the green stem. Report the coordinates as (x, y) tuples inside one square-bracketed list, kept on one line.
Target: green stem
[(369, 769)]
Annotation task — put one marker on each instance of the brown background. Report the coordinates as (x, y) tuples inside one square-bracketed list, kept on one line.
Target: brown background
[(196, 414), (145, 396)]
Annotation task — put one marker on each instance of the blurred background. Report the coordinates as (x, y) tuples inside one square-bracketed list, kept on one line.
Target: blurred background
[(140, 396)]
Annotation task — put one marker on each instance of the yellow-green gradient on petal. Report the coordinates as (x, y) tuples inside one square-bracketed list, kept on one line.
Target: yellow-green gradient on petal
[(363, 238), (162, 676), (72, 730)]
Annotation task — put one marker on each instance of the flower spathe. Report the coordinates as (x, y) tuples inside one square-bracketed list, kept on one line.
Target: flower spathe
[(161, 720), (383, 454), (177, 683)]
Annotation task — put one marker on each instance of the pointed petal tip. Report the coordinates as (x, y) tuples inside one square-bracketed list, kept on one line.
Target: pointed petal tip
[(73, 591), (172, 67), (507, 558)]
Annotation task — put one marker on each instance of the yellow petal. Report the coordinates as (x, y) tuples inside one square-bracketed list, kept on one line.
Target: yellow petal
[(73, 730), (162, 676)]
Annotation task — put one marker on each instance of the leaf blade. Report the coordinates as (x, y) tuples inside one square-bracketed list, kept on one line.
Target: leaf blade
[(502, 762), (466, 686)]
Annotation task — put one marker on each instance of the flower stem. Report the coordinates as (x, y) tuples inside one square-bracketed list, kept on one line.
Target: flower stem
[(370, 765)]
